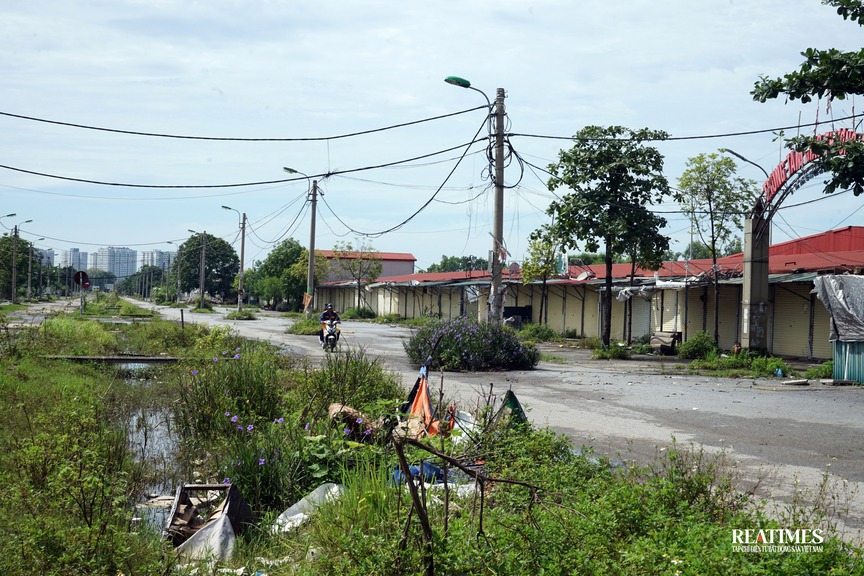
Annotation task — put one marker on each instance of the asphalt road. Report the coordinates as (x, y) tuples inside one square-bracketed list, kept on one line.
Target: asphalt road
[(786, 438)]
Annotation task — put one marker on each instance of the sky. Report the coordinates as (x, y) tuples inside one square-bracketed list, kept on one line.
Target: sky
[(256, 86)]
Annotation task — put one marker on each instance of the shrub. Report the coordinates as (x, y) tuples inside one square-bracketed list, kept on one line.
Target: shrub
[(589, 343), (700, 345), (464, 344), (240, 315), (615, 351), (769, 365), (572, 333), (824, 370), (305, 327), (538, 333), (355, 313), (243, 382), (643, 349)]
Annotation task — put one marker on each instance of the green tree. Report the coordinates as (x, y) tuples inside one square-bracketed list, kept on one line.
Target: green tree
[(360, 264), (459, 264), (585, 259), (715, 199), (831, 74), (22, 248), (541, 263), (269, 289), (142, 282), (278, 264), (101, 278), (613, 176), (299, 271), (220, 264)]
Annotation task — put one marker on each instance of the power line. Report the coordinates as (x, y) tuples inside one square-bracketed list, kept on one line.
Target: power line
[(678, 138), (242, 184), (230, 139), (425, 204)]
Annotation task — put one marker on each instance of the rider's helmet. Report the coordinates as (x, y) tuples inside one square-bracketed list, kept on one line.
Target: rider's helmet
[(329, 306)]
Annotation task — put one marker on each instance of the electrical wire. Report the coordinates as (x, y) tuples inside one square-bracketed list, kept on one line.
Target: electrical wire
[(243, 184), (423, 207), (679, 138), (229, 139)]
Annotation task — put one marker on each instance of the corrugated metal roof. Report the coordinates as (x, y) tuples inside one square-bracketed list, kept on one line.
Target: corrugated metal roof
[(402, 256)]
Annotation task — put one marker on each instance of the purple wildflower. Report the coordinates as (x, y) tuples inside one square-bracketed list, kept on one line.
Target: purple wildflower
[(239, 427), (279, 420), (367, 432), (346, 431), (306, 427), (261, 461), (226, 481), (236, 356), (215, 359), (194, 372), (227, 414), (250, 427), (359, 420), (234, 418)]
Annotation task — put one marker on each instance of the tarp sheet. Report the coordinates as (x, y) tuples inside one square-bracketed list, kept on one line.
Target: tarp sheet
[(843, 297)]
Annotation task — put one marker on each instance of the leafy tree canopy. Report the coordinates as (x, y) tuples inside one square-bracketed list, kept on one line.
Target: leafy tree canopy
[(221, 264), (715, 199), (613, 177), (459, 264), (831, 74)]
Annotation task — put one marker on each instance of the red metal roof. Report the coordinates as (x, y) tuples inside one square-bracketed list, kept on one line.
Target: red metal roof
[(801, 255), (845, 239), (383, 256)]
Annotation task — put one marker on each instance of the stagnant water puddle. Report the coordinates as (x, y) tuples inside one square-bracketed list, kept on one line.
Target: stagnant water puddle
[(153, 443)]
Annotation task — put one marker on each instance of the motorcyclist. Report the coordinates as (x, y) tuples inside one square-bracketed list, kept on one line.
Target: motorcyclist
[(328, 314)]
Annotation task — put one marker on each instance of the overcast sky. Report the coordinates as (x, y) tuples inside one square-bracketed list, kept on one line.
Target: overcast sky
[(303, 70)]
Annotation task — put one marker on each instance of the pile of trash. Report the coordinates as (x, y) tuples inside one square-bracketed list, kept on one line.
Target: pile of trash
[(205, 519)]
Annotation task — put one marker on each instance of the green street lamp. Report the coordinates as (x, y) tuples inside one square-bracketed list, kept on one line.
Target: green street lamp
[(496, 296), (310, 267)]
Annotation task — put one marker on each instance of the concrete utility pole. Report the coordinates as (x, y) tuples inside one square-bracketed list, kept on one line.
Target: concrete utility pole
[(242, 256), (14, 263), (310, 272), (496, 312), (201, 274)]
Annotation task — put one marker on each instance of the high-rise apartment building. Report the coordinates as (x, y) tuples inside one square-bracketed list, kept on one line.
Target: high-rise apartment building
[(74, 258), (158, 258), (118, 261)]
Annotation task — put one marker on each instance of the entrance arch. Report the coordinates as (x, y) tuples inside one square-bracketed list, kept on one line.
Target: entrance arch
[(790, 175)]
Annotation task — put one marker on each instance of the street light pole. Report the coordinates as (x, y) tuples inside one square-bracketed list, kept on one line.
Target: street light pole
[(242, 255), (310, 267), (496, 296), (201, 271), (756, 296), (30, 267), (15, 260)]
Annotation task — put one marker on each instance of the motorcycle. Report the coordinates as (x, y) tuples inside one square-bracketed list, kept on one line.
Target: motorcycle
[(330, 331)]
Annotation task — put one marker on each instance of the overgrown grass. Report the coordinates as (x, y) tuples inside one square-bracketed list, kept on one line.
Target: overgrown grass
[(741, 364), (68, 480), (615, 351), (355, 313), (241, 315), (304, 327), (532, 332), (824, 370), (574, 514)]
